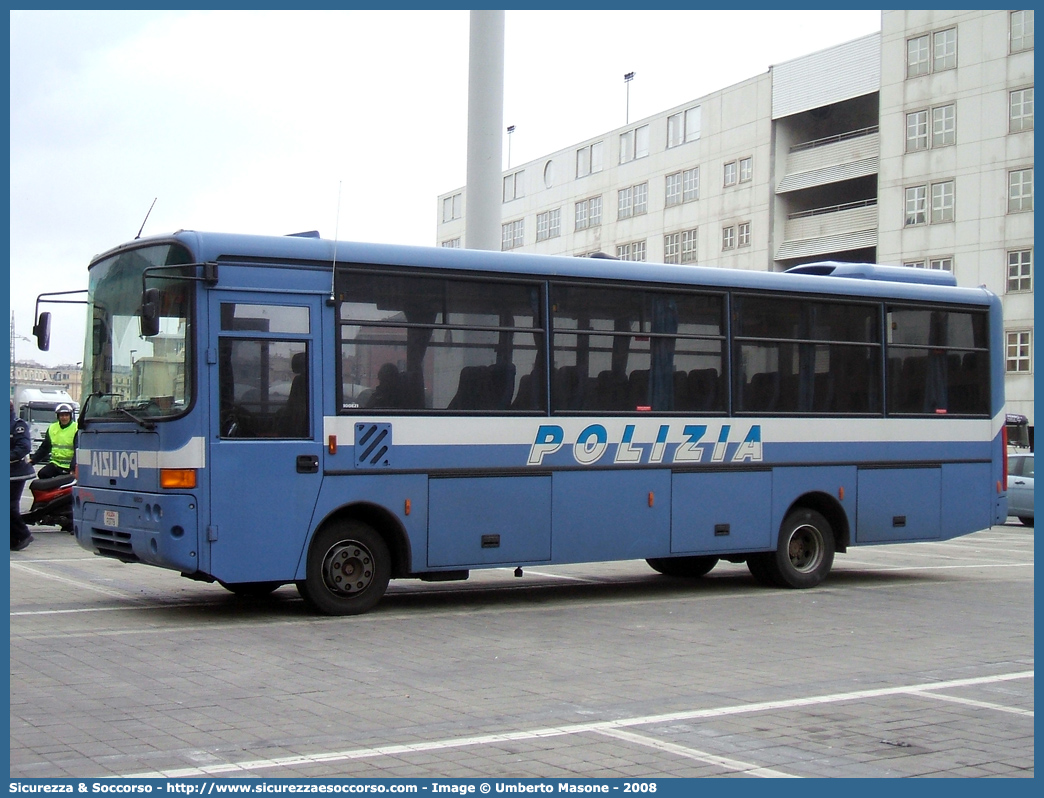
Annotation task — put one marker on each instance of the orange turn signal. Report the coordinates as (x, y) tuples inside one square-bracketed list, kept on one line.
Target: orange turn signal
[(177, 477)]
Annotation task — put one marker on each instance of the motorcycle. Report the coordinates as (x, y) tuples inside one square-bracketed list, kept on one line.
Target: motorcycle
[(52, 502)]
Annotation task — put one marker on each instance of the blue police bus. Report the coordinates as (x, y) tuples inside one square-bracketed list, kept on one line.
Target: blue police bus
[(263, 410)]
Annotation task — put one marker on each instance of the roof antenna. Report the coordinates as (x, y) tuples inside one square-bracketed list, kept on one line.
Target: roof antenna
[(332, 299), (153, 205)]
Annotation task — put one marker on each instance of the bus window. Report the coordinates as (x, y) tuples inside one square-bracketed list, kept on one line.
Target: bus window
[(263, 386), (798, 356), (421, 343), (938, 362), (623, 350)]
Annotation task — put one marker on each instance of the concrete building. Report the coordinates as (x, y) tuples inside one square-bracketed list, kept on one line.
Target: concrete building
[(67, 377), (910, 146)]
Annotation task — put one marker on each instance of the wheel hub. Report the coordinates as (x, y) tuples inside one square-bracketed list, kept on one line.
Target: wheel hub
[(805, 548), (348, 568)]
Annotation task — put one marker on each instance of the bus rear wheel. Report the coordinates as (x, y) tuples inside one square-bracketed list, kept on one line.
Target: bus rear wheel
[(685, 567), (347, 571), (805, 551)]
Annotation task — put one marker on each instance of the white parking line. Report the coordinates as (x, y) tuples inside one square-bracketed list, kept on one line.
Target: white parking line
[(973, 703), (75, 582), (864, 565), (699, 756), (571, 729)]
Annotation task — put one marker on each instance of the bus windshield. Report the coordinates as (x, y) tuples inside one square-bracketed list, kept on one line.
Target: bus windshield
[(125, 373)]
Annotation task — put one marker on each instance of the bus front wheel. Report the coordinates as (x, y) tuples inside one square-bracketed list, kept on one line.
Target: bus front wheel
[(348, 569), (685, 567), (804, 553)]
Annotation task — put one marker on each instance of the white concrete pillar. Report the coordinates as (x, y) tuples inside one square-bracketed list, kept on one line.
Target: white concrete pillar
[(485, 128)]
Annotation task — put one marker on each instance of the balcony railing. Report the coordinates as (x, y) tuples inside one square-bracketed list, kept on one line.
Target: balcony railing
[(852, 134), (832, 208), (831, 221)]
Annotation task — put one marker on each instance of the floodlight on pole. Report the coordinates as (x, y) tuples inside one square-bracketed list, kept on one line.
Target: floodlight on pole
[(628, 77)]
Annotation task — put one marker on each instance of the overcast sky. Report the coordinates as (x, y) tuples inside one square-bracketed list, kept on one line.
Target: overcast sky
[(258, 122)]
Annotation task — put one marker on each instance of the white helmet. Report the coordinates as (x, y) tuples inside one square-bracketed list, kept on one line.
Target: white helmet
[(64, 407)]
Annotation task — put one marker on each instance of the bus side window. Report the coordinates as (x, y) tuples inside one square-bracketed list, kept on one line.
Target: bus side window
[(263, 388)]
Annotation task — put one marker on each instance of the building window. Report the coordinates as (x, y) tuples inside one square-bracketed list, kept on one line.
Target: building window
[(942, 207), (625, 203), (1020, 270), (512, 234), (731, 173), (549, 224), (635, 250), (943, 131), (942, 202), (641, 198), (683, 127), (633, 201), (917, 131), (683, 186), (514, 187), (453, 243), (680, 247), (743, 234), (1018, 360), (1021, 30), (689, 241), (588, 213), (945, 50), (589, 159), (634, 144), (451, 208), (944, 125), (917, 62), (1020, 190), (673, 192), (916, 205), (1020, 116), (728, 238), (691, 184), (672, 248), (933, 52), (746, 169), (941, 264)]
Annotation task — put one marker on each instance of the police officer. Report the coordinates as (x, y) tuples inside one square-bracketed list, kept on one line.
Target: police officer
[(59, 445), (21, 472)]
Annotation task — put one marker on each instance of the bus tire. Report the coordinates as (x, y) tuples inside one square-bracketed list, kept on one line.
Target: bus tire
[(348, 569), (685, 567), (1027, 520), (805, 551), (251, 589)]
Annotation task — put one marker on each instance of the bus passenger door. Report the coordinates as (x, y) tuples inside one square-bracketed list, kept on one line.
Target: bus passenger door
[(265, 459)]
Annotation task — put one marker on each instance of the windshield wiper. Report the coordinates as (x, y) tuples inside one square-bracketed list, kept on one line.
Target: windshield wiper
[(84, 419), (149, 425)]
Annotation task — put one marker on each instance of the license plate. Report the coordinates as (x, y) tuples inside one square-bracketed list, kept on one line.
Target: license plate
[(112, 518)]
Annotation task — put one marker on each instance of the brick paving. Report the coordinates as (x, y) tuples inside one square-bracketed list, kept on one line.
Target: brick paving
[(605, 670)]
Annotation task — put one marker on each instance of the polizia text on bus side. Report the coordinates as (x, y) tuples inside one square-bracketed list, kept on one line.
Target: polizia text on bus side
[(262, 410)]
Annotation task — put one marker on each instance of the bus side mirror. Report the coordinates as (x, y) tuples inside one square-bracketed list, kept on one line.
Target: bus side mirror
[(42, 331), (150, 310)]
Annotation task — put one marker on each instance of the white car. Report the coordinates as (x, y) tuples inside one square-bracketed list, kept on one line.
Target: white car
[(1020, 487)]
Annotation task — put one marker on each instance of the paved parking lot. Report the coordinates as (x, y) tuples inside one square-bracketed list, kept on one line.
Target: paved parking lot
[(912, 660)]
